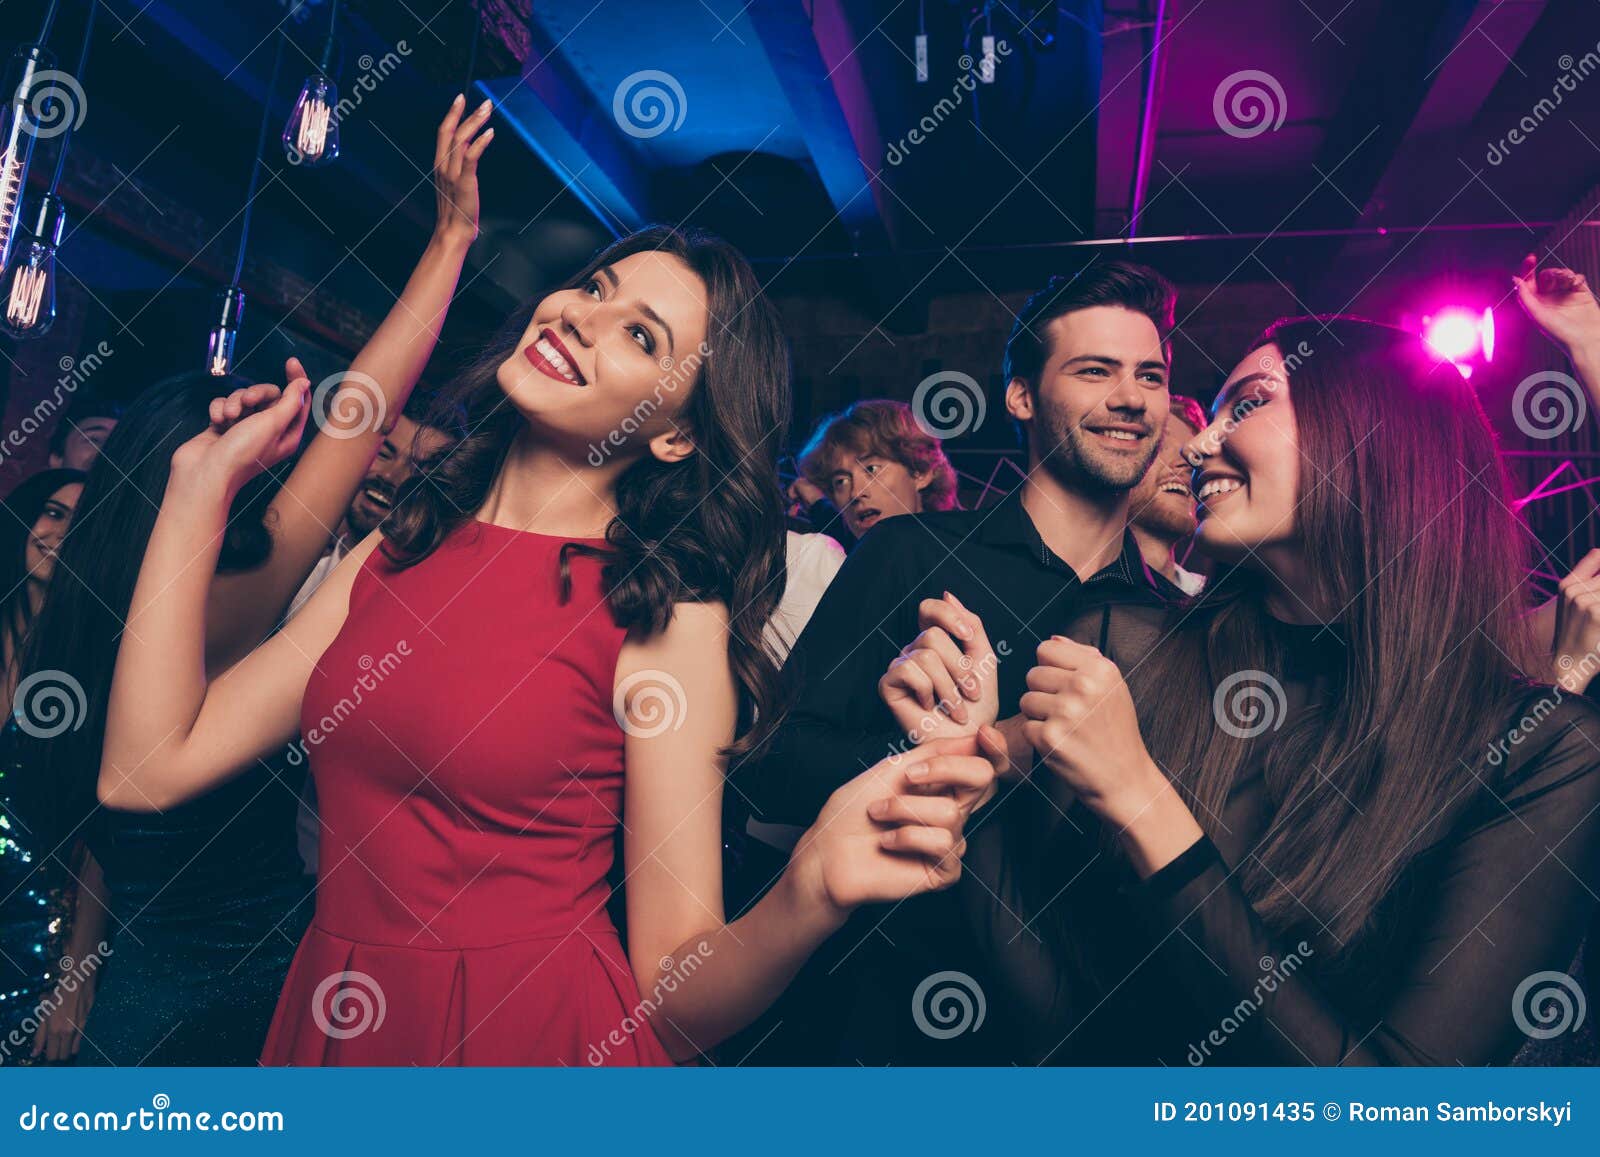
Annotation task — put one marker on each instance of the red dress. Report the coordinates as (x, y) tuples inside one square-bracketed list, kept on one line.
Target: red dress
[(469, 775)]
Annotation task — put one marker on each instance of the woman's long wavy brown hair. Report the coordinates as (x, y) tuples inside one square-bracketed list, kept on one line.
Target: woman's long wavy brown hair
[(707, 528)]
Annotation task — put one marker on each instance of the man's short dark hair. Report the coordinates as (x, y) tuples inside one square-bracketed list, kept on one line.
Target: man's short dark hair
[(1119, 283)]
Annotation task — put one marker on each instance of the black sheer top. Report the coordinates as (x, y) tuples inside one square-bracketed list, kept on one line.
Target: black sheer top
[(1467, 956)]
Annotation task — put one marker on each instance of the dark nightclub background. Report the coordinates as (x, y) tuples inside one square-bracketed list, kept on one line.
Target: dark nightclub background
[(1273, 156)]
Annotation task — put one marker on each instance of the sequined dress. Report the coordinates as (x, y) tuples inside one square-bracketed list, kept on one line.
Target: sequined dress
[(35, 903)]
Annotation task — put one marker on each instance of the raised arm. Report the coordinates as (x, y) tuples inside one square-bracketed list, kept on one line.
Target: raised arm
[(169, 735), (367, 402), (877, 839), (1562, 305)]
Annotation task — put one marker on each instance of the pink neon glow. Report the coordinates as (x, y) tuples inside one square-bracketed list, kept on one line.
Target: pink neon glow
[(1453, 334)]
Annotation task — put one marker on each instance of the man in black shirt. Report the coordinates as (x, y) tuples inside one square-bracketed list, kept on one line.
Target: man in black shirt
[(1086, 370)]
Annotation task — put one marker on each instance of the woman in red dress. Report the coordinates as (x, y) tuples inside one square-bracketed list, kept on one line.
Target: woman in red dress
[(561, 634)]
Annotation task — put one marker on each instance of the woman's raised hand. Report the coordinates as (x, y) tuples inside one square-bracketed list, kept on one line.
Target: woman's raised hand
[(251, 430), (455, 168), (895, 830), (1560, 303)]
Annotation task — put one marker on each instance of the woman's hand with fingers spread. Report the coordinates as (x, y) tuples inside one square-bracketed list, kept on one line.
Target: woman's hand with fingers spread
[(943, 683), (455, 168), (1560, 303), (895, 830), (251, 430), (1575, 654)]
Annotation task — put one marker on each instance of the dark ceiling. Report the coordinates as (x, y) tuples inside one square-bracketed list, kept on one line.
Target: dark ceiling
[(799, 129)]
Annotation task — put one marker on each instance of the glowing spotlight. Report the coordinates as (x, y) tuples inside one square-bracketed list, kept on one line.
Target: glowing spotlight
[(1452, 334)]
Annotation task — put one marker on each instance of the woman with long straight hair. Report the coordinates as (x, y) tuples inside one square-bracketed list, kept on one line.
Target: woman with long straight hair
[(208, 899), (560, 627), (1325, 819), (50, 905)]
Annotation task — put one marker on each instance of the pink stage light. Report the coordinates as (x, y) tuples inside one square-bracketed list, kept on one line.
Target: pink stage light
[(1453, 334)]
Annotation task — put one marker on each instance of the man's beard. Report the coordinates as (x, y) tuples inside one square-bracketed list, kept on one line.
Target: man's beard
[(1155, 516), (1074, 461)]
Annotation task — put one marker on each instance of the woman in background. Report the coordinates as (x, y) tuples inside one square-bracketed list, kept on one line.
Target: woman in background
[(51, 917)]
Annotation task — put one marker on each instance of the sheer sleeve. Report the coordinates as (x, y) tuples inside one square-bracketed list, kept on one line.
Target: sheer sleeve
[(1510, 897)]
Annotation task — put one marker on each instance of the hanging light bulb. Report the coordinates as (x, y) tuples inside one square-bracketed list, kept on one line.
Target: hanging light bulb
[(28, 288), (219, 347), (17, 136), (311, 138)]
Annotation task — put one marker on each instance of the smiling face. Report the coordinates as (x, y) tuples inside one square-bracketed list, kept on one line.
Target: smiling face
[(625, 345), (1247, 464), (1162, 503), (868, 488), (44, 539), (1096, 415), (397, 460)]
